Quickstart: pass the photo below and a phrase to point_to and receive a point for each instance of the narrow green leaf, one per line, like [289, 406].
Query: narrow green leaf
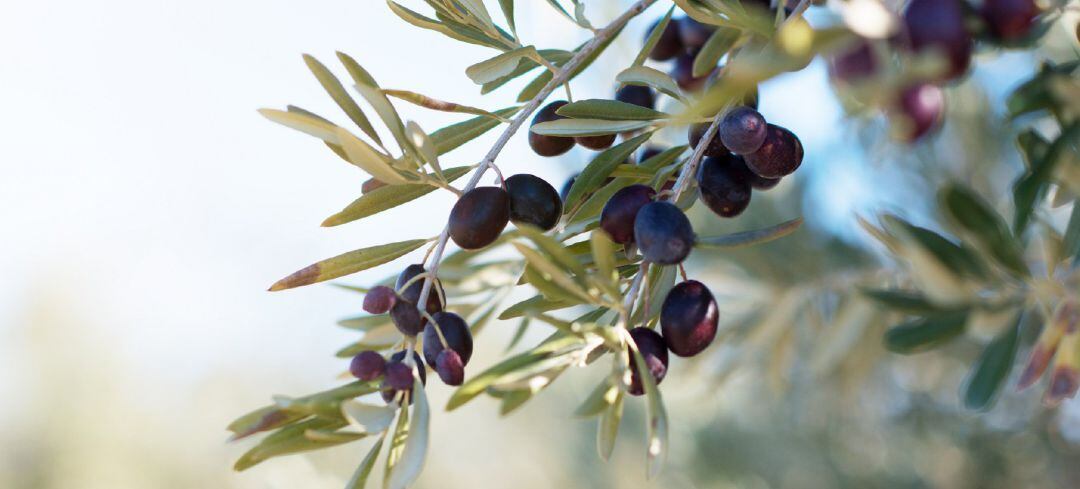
[542, 80]
[263, 419]
[657, 428]
[587, 127]
[992, 369]
[601, 397]
[551, 272]
[653, 39]
[720, 42]
[986, 226]
[1072, 234]
[412, 459]
[593, 176]
[303, 122]
[365, 323]
[553, 249]
[337, 92]
[532, 305]
[289, 440]
[960, 259]
[502, 65]
[367, 158]
[439, 105]
[756, 236]
[612, 110]
[608, 428]
[388, 197]
[902, 301]
[507, 7]
[926, 333]
[428, 23]
[1031, 188]
[454, 135]
[603, 251]
[476, 385]
[363, 471]
[348, 263]
[651, 77]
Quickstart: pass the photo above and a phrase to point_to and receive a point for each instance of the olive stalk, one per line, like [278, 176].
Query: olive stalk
[558, 79]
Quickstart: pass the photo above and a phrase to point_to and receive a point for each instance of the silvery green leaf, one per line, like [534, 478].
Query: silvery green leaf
[653, 39]
[598, 170]
[367, 158]
[651, 77]
[552, 273]
[363, 471]
[423, 22]
[602, 396]
[289, 440]
[554, 346]
[586, 127]
[542, 80]
[608, 427]
[720, 42]
[926, 333]
[901, 300]
[985, 226]
[454, 135]
[376, 339]
[657, 429]
[993, 367]
[388, 197]
[303, 122]
[408, 467]
[612, 110]
[533, 304]
[263, 419]
[348, 263]
[337, 91]
[501, 65]
[747, 238]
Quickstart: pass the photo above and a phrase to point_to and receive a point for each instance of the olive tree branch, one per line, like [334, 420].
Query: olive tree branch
[559, 78]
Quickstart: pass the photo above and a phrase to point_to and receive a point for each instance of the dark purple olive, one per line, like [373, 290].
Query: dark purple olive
[388, 391]
[683, 74]
[938, 25]
[617, 217]
[596, 142]
[533, 201]
[399, 376]
[715, 149]
[457, 334]
[407, 318]
[371, 184]
[693, 34]
[639, 95]
[1009, 20]
[780, 154]
[688, 318]
[654, 351]
[379, 299]
[742, 130]
[855, 63]
[450, 368]
[412, 294]
[549, 145]
[479, 217]
[663, 233]
[921, 107]
[724, 184]
[367, 365]
[669, 45]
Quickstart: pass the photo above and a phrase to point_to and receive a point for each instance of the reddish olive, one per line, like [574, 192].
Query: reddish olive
[450, 367]
[780, 154]
[457, 334]
[655, 353]
[742, 130]
[939, 25]
[367, 365]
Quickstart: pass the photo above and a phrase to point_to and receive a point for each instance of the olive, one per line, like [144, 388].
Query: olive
[457, 335]
[725, 188]
[688, 318]
[654, 351]
[533, 201]
[479, 217]
[780, 154]
[663, 233]
[617, 217]
[549, 145]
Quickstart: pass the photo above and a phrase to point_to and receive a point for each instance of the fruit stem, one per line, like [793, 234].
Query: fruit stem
[798, 11]
[559, 78]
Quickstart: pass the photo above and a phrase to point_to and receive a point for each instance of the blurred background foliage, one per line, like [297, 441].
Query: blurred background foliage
[797, 392]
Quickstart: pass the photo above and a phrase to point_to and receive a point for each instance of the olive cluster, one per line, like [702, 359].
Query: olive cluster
[447, 345]
[948, 28]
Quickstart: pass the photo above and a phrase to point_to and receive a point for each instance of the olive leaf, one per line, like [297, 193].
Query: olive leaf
[600, 168]
[587, 127]
[304, 122]
[449, 29]
[380, 338]
[556, 57]
[601, 398]
[348, 263]
[368, 418]
[656, 414]
[542, 80]
[289, 440]
[650, 77]
[1042, 160]
[557, 345]
[612, 110]
[720, 42]
[454, 135]
[439, 105]
[989, 374]
[535, 304]
[985, 226]
[756, 236]
[341, 97]
[608, 427]
[550, 272]
[367, 158]
[408, 467]
[363, 471]
[263, 419]
[926, 332]
[502, 65]
[902, 301]
[654, 38]
[388, 197]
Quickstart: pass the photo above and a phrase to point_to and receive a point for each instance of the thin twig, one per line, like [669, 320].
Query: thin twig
[557, 80]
